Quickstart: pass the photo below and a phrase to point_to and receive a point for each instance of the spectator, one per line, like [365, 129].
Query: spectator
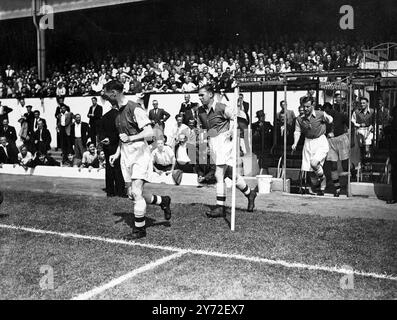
[101, 160]
[289, 128]
[42, 159]
[4, 111]
[262, 139]
[37, 118]
[24, 157]
[189, 86]
[64, 124]
[61, 90]
[177, 130]
[8, 152]
[181, 154]
[72, 161]
[158, 116]
[90, 157]
[57, 112]
[42, 138]
[80, 133]
[163, 158]
[382, 118]
[364, 120]
[188, 109]
[95, 115]
[8, 131]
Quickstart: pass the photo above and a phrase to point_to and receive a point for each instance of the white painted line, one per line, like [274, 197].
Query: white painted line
[283, 263]
[115, 282]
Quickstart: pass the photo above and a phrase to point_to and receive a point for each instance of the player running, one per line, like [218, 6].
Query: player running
[217, 119]
[134, 127]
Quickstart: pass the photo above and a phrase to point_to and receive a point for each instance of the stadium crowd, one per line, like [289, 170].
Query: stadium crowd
[178, 70]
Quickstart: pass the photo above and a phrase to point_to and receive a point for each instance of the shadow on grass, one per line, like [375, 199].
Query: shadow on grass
[128, 219]
[4, 215]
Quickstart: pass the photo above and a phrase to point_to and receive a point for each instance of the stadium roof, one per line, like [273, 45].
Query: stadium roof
[11, 9]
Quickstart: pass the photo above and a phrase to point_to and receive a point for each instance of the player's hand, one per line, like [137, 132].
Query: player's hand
[106, 141]
[112, 159]
[293, 147]
[124, 138]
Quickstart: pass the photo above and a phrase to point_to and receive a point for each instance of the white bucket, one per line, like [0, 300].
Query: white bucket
[264, 183]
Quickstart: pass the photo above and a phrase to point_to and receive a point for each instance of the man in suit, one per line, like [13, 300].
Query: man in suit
[158, 116]
[8, 152]
[4, 111]
[64, 124]
[80, 132]
[95, 115]
[42, 138]
[8, 132]
[36, 119]
[57, 112]
[262, 138]
[188, 110]
[29, 118]
[109, 137]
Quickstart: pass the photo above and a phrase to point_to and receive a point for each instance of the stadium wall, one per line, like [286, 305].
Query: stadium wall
[170, 102]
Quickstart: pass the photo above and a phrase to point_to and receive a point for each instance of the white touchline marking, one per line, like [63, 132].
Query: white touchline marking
[283, 263]
[115, 282]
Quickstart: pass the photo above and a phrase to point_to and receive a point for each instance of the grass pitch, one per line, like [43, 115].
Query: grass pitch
[79, 265]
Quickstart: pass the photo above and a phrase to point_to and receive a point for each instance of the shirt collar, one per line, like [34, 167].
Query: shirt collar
[366, 110]
[210, 106]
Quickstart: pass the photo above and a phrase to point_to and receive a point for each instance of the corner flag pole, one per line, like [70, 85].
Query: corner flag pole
[234, 177]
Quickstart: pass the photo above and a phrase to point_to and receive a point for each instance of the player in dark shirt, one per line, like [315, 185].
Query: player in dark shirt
[339, 143]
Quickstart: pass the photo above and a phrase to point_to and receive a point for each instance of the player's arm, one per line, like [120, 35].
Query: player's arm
[328, 118]
[354, 120]
[231, 115]
[297, 134]
[143, 123]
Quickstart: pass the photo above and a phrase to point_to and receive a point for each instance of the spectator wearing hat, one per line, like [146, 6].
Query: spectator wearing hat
[262, 138]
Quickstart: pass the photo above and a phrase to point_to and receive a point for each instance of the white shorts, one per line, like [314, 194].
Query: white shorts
[221, 149]
[136, 161]
[314, 149]
[365, 136]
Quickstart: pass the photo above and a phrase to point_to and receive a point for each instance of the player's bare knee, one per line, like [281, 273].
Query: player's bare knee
[314, 164]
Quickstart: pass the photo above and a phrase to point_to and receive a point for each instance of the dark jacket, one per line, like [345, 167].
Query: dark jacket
[160, 115]
[45, 136]
[85, 132]
[108, 129]
[48, 161]
[97, 115]
[6, 111]
[12, 152]
[189, 111]
[10, 133]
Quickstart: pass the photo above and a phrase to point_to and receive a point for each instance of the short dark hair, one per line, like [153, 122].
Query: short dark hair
[114, 85]
[208, 88]
[364, 98]
[281, 102]
[307, 99]
[178, 116]
[94, 98]
[36, 111]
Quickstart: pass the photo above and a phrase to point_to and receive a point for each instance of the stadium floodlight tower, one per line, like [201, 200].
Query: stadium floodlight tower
[37, 5]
